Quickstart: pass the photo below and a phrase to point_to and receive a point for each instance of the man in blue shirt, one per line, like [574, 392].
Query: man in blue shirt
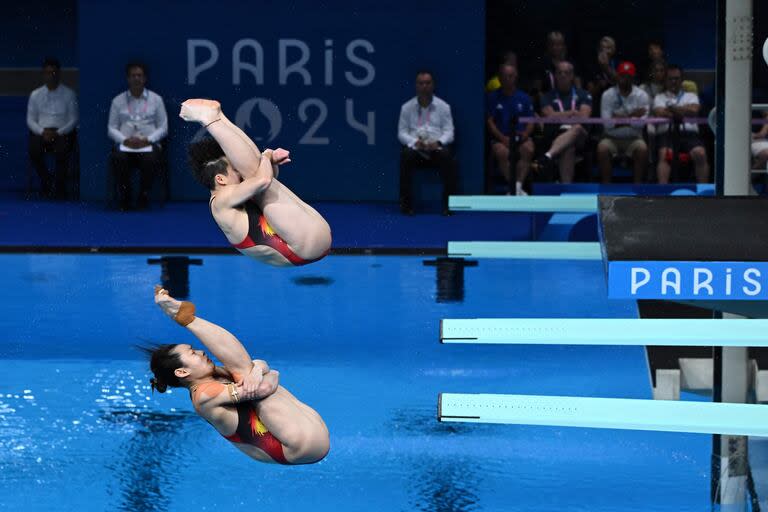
[504, 107]
[564, 101]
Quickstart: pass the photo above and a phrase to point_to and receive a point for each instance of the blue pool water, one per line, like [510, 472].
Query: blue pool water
[355, 337]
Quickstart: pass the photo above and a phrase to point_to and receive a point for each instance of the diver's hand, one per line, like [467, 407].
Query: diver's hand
[259, 383]
[280, 156]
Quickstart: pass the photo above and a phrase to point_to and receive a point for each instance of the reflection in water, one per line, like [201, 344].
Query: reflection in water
[732, 483]
[312, 281]
[37, 277]
[417, 421]
[440, 482]
[450, 278]
[174, 273]
[445, 485]
[151, 457]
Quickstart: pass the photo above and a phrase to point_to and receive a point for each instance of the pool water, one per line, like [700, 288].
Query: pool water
[356, 338]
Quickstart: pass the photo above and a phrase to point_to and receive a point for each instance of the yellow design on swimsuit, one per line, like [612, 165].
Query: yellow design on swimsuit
[265, 227]
[250, 430]
[257, 427]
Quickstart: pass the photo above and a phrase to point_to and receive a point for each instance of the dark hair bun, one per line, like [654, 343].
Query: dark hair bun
[204, 152]
[158, 385]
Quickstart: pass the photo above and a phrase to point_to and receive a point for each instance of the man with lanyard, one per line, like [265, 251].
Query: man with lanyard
[503, 107]
[137, 123]
[425, 130]
[565, 101]
[675, 104]
[623, 100]
[51, 119]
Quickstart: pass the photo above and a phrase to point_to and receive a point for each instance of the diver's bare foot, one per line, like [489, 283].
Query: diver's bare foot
[168, 304]
[200, 110]
[182, 312]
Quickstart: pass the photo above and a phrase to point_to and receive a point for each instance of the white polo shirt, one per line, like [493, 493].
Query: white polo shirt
[132, 117]
[52, 109]
[614, 104]
[667, 99]
[433, 123]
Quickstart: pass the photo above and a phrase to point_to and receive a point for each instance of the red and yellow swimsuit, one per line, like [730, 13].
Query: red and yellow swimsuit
[261, 233]
[250, 430]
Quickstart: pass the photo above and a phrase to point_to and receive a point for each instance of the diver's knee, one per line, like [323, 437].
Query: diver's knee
[316, 447]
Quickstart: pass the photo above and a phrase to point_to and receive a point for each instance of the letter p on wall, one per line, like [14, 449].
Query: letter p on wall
[636, 284]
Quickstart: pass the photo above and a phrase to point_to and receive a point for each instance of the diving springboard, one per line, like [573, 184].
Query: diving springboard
[614, 413]
[606, 331]
[578, 203]
[527, 250]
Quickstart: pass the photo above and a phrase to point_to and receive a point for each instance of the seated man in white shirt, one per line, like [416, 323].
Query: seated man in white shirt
[51, 119]
[137, 123]
[425, 130]
[623, 100]
[675, 104]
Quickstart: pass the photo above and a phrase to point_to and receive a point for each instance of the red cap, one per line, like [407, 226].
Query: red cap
[625, 68]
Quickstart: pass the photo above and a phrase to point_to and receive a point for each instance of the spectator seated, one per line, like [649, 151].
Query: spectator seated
[160, 189]
[624, 100]
[425, 130]
[138, 123]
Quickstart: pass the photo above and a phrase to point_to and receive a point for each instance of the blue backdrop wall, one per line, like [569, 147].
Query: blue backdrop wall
[690, 32]
[30, 31]
[322, 79]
